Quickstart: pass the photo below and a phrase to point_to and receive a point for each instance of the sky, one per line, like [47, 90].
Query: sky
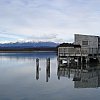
[48, 20]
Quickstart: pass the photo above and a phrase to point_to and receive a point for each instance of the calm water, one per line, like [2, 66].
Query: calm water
[20, 79]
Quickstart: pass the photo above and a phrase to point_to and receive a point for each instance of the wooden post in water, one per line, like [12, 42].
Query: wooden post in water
[37, 62]
[37, 68]
[47, 69]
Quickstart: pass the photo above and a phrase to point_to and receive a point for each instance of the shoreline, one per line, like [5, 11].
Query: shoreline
[25, 51]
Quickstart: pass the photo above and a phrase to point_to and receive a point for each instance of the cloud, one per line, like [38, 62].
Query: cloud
[52, 20]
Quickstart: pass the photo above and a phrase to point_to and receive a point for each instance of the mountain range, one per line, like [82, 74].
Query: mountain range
[29, 45]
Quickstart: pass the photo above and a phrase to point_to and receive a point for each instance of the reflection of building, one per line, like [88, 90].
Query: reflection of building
[88, 80]
[83, 76]
[63, 72]
[69, 71]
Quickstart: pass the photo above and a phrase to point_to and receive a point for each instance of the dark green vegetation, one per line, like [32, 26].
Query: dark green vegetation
[29, 49]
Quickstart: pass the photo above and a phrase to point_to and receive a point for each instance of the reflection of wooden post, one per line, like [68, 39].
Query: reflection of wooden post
[37, 68]
[46, 75]
[48, 69]
[68, 72]
[68, 61]
[77, 61]
[48, 62]
[58, 72]
[87, 59]
[81, 67]
[48, 65]
[81, 59]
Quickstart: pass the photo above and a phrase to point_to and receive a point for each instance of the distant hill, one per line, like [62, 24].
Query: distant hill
[28, 46]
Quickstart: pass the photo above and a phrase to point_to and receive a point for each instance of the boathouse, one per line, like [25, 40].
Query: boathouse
[89, 43]
[69, 53]
[69, 49]
[85, 47]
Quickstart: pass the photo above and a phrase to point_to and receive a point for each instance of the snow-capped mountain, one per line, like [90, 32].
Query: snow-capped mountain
[28, 45]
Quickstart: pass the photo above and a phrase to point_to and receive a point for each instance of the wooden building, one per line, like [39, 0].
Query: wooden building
[84, 47]
[68, 49]
[89, 43]
[70, 53]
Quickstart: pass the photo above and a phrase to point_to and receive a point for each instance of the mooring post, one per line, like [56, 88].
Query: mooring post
[37, 62]
[37, 68]
[47, 69]
[48, 63]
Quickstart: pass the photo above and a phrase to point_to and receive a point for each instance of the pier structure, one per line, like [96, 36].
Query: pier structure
[84, 49]
[71, 54]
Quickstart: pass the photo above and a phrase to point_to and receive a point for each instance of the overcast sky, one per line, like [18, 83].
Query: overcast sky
[48, 20]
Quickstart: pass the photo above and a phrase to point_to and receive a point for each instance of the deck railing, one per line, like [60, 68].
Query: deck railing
[81, 51]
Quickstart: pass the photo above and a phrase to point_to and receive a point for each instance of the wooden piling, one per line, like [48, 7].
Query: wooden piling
[37, 68]
[47, 69]
[37, 62]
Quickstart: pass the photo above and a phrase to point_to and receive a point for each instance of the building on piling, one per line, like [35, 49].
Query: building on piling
[84, 46]
[68, 49]
[68, 52]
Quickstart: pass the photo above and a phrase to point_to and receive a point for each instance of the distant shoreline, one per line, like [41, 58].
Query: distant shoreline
[24, 51]
[27, 50]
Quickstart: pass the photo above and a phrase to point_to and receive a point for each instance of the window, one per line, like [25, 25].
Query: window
[84, 42]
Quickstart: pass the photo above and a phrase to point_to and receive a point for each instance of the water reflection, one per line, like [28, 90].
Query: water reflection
[28, 55]
[41, 77]
[84, 76]
[47, 69]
